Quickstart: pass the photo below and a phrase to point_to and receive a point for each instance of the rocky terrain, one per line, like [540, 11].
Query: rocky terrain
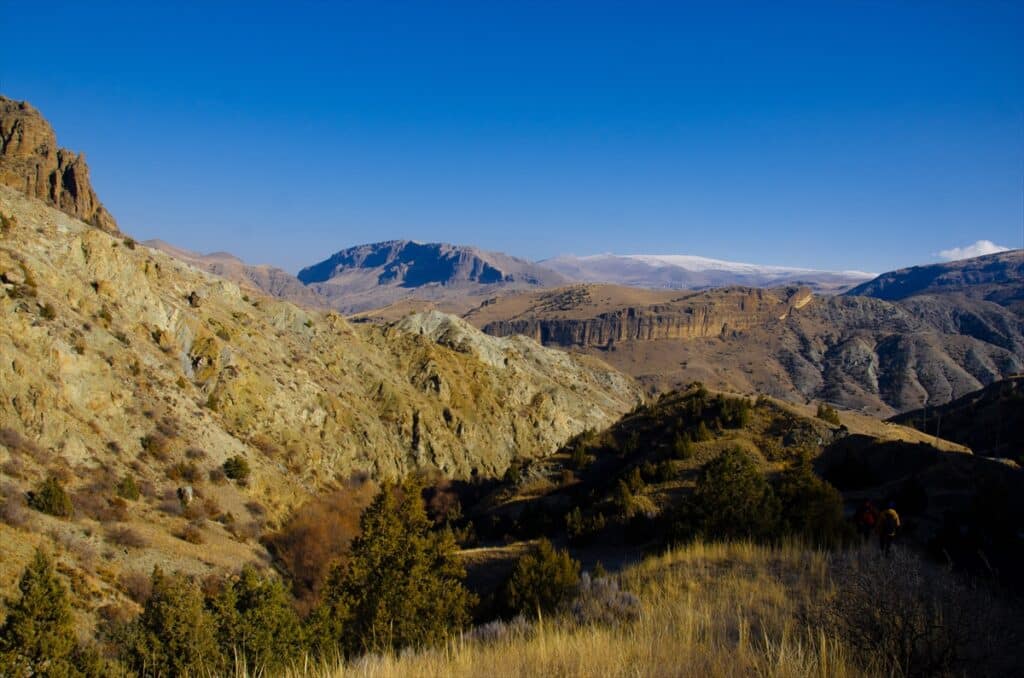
[998, 278]
[868, 354]
[371, 276]
[696, 273]
[31, 162]
[119, 360]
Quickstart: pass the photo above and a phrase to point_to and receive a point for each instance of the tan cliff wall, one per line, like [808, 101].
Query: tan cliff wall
[31, 162]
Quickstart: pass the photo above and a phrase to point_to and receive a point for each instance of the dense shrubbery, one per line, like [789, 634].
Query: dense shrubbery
[828, 413]
[51, 498]
[542, 581]
[237, 468]
[401, 586]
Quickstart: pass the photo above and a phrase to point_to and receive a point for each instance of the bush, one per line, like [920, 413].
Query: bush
[682, 448]
[256, 621]
[38, 635]
[317, 536]
[542, 581]
[811, 508]
[175, 632]
[51, 498]
[580, 528]
[126, 536]
[599, 600]
[895, 610]
[732, 500]
[13, 508]
[236, 468]
[402, 586]
[157, 445]
[128, 489]
[193, 532]
[828, 413]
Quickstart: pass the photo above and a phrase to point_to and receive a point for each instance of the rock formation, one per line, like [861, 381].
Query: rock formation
[31, 162]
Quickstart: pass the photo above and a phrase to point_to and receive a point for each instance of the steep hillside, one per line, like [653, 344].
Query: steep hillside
[31, 162]
[857, 352]
[371, 276]
[989, 421]
[120, 361]
[695, 273]
[998, 278]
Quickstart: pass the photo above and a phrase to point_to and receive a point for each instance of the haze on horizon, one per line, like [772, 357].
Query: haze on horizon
[856, 135]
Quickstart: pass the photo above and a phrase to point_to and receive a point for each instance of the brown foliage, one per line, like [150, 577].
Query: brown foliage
[317, 536]
[126, 536]
[137, 585]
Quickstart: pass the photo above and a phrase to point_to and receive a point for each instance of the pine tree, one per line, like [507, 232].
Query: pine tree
[255, 621]
[733, 499]
[174, 635]
[542, 580]
[38, 636]
[402, 585]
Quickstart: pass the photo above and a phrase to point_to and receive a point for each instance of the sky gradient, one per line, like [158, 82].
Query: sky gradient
[853, 135]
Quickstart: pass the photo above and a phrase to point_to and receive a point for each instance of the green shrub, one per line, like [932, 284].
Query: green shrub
[256, 621]
[402, 585]
[682, 448]
[581, 528]
[38, 636]
[828, 413]
[51, 498]
[174, 635]
[732, 500]
[542, 581]
[810, 507]
[47, 311]
[128, 489]
[236, 468]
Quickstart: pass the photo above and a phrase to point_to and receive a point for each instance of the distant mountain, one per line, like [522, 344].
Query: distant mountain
[265, 278]
[998, 278]
[378, 274]
[673, 271]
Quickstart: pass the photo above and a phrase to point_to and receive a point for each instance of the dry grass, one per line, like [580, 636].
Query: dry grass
[706, 610]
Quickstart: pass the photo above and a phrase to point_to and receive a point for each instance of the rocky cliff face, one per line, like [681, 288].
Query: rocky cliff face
[689, 317]
[31, 162]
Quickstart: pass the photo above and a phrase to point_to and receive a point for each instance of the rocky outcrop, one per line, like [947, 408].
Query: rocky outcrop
[31, 162]
[690, 317]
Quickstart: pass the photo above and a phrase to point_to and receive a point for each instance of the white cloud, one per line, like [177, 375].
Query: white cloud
[980, 248]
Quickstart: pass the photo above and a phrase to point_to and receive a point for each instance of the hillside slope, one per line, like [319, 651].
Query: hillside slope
[119, 360]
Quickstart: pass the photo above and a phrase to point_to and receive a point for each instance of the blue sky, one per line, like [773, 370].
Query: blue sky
[866, 135]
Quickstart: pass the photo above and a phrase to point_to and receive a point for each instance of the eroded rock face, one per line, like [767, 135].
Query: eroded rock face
[31, 162]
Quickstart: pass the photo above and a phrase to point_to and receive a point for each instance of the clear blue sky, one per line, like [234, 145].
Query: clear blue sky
[827, 134]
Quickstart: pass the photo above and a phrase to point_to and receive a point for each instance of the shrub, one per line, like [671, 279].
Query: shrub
[47, 311]
[810, 507]
[256, 621]
[157, 445]
[828, 413]
[542, 580]
[13, 508]
[129, 243]
[682, 448]
[126, 536]
[128, 489]
[6, 222]
[317, 536]
[402, 585]
[187, 471]
[175, 632]
[634, 480]
[236, 468]
[895, 610]
[136, 585]
[38, 635]
[599, 600]
[580, 528]
[217, 477]
[51, 498]
[732, 499]
[193, 532]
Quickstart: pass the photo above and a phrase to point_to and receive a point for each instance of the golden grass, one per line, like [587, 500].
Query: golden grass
[707, 610]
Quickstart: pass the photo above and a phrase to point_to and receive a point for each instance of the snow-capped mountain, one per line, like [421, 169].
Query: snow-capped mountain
[692, 272]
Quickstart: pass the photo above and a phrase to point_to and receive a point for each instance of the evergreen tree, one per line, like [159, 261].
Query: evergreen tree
[174, 635]
[542, 580]
[402, 585]
[810, 507]
[733, 500]
[38, 636]
[255, 621]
